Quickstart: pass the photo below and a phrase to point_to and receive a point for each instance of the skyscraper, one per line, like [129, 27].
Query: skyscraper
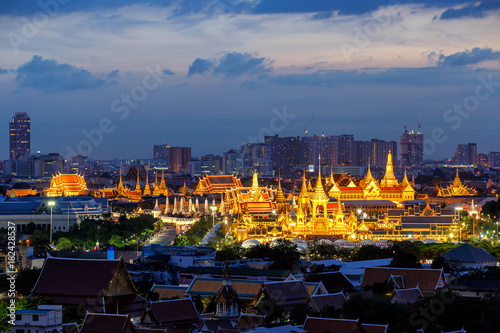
[178, 158]
[160, 151]
[411, 149]
[465, 154]
[19, 136]
[346, 149]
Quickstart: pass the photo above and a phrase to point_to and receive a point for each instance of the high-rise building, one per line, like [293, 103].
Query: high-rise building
[160, 151]
[494, 159]
[230, 162]
[481, 160]
[411, 149]
[178, 158]
[465, 154]
[211, 164]
[346, 149]
[285, 152]
[314, 146]
[19, 136]
[374, 152]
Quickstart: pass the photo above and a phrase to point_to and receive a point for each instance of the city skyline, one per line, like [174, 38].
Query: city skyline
[162, 70]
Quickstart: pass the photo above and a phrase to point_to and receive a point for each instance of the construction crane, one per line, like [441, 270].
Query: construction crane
[419, 124]
[305, 128]
[411, 120]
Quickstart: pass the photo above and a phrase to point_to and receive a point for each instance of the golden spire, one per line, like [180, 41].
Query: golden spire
[369, 176]
[405, 181]
[147, 191]
[457, 182]
[389, 178]
[319, 191]
[163, 186]
[120, 184]
[138, 184]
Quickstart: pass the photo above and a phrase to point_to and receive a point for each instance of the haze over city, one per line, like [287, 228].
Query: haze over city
[222, 67]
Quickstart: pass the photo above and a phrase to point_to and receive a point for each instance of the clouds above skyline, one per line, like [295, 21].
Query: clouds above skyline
[48, 75]
[231, 65]
[222, 66]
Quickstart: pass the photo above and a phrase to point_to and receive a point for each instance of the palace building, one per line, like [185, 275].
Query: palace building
[66, 185]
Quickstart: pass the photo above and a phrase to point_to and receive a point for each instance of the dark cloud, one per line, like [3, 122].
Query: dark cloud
[236, 64]
[422, 77]
[472, 57]
[200, 66]
[473, 10]
[113, 74]
[49, 75]
[323, 8]
[168, 72]
[231, 65]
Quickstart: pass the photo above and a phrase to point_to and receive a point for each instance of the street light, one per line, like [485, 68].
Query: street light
[51, 204]
[458, 211]
[213, 208]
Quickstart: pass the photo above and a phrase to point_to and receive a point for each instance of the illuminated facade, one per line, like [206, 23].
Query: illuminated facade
[66, 185]
[455, 189]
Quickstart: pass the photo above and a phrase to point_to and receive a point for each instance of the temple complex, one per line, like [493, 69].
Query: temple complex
[66, 185]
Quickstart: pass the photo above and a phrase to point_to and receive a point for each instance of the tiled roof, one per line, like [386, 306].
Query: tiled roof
[246, 289]
[373, 328]
[426, 279]
[131, 304]
[250, 320]
[320, 325]
[287, 293]
[332, 281]
[68, 281]
[165, 291]
[406, 295]
[105, 323]
[173, 312]
[466, 253]
[333, 300]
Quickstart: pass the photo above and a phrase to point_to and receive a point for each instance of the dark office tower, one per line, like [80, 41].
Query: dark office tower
[160, 151]
[465, 154]
[19, 135]
[314, 146]
[346, 149]
[380, 151]
[411, 149]
[230, 162]
[178, 158]
[285, 152]
[363, 153]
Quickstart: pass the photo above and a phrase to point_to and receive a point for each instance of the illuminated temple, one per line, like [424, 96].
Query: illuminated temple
[455, 189]
[66, 185]
[319, 211]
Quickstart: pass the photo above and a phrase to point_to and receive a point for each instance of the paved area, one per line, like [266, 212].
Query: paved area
[165, 237]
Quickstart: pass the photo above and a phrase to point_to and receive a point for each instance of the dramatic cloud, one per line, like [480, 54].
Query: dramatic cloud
[231, 65]
[200, 66]
[474, 10]
[168, 72]
[472, 57]
[48, 75]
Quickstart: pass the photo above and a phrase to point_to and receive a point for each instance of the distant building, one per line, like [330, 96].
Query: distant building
[411, 149]
[465, 154]
[481, 160]
[346, 149]
[494, 159]
[211, 164]
[375, 152]
[230, 162]
[160, 151]
[67, 185]
[19, 135]
[285, 152]
[178, 159]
